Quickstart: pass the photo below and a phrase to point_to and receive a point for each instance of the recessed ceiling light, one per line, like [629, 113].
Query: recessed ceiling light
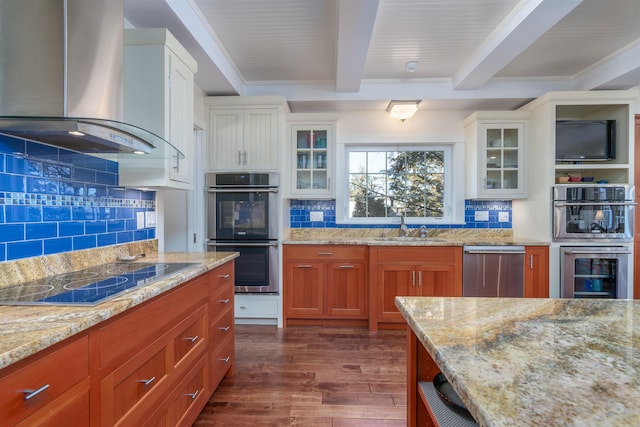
[411, 66]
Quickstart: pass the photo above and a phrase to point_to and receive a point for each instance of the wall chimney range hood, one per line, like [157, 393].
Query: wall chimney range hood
[61, 77]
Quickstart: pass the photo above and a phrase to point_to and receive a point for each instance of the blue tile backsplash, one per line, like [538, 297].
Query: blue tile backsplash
[54, 200]
[300, 210]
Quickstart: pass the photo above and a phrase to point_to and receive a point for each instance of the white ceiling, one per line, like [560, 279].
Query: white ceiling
[336, 55]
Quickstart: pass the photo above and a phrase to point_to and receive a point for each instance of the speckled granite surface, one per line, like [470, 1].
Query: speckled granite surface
[390, 237]
[25, 330]
[535, 362]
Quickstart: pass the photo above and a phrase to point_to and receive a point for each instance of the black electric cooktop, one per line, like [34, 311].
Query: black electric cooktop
[89, 286]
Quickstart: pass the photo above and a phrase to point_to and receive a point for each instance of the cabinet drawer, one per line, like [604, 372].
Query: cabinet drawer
[191, 397]
[148, 322]
[221, 329]
[324, 252]
[70, 409]
[191, 336]
[421, 255]
[221, 302]
[221, 276]
[221, 359]
[53, 374]
[255, 306]
[136, 381]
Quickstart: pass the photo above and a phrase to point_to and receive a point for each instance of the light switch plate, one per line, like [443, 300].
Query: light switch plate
[139, 220]
[150, 219]
[481, 216]
[503, 216]
[316, 216]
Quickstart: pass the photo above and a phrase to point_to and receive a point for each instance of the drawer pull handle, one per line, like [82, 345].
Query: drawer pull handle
[192, 339]
[346, 266]
[243, 307]
[30, 393]
[226, 359]
[147, 382]
[224, 301]
[304, 266]
[193, 395]
[325, 253]
[225, 328]
[224, 276]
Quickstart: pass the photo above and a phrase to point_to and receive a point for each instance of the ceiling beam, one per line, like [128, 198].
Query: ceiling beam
[355, 26]
[604, 73]
[528, 21]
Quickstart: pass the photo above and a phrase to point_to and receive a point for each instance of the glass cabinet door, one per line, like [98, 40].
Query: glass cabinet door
[502, 154]
[311, 160]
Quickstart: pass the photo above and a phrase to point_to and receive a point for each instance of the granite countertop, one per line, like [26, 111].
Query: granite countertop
[535, 362]
[390, 237]
[25, 330]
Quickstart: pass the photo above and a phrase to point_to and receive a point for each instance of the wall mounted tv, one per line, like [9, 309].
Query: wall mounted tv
[585, 140]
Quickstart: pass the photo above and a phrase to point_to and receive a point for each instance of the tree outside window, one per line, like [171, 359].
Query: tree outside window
[388, 183]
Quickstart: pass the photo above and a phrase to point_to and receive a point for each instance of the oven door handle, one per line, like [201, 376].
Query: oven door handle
[604, 253]
[242, 190]
[242, 243]
[601, 202]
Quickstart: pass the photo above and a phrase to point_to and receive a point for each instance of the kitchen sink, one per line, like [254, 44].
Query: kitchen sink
[410, 239]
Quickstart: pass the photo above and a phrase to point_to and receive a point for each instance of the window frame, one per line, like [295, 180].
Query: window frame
[342, 193]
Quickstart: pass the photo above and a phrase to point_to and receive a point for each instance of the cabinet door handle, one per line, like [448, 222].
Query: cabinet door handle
[419, 278]
[239, 157]
[225, 328]
[413, 278]
[224, 276]
[325, 253]
[147, 382]
[346, 266]
[193, 395]
[192, 339]
[224, 301]
[226, 359]
[177, 166]
[530, 262]
[31, 393]
[245, 158]
[304, 266]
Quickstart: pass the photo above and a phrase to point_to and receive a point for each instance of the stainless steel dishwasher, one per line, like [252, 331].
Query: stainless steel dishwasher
[493, 271]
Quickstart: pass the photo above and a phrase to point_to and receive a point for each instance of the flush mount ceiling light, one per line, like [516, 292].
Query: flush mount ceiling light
[411, 66]
[403, 110]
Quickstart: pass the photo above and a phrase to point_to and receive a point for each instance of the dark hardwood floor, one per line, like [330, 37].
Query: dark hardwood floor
[312, 376]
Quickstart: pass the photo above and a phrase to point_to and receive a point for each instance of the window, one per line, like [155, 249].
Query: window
[385, 183]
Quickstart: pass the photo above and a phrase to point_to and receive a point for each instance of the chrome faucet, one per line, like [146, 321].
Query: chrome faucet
[404, 230]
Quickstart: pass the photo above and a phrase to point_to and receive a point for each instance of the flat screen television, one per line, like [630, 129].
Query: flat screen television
[585, 140]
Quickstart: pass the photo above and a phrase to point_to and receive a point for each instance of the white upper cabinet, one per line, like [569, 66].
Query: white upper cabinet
[312, 160]
[158, 77]
[495, 155]
[245, 133]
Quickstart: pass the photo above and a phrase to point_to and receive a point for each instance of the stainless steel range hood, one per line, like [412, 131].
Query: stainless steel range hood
[61, 76]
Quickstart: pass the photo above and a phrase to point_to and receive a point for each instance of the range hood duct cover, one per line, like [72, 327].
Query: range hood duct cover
[61, 70]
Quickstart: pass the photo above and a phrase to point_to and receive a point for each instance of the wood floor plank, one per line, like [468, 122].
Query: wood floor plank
[312, 376]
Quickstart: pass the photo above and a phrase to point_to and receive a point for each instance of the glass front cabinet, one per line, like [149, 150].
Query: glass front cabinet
[312, 161]
[495, 151]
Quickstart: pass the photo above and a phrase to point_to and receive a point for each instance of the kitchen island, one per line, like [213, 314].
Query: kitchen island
[527, 362]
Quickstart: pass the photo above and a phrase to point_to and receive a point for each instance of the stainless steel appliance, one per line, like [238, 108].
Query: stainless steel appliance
[597, 212]
[243, 217]
[493, 271]
[89, 286]
[594, 272]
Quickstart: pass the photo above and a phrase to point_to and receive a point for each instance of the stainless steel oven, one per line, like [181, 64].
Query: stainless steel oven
[242, 217]
[594, 272]
[595, 212]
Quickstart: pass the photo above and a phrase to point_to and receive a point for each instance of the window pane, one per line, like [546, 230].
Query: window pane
[389, 183]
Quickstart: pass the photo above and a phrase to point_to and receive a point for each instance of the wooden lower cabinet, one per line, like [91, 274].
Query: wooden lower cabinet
[324, 284]
[410, 271]
[156, 364]
[536, 272]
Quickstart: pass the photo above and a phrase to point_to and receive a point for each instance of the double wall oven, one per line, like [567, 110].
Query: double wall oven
[242, 217]
[594, 224]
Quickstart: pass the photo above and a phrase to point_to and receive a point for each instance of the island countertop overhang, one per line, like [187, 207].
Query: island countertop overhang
[535, 361]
